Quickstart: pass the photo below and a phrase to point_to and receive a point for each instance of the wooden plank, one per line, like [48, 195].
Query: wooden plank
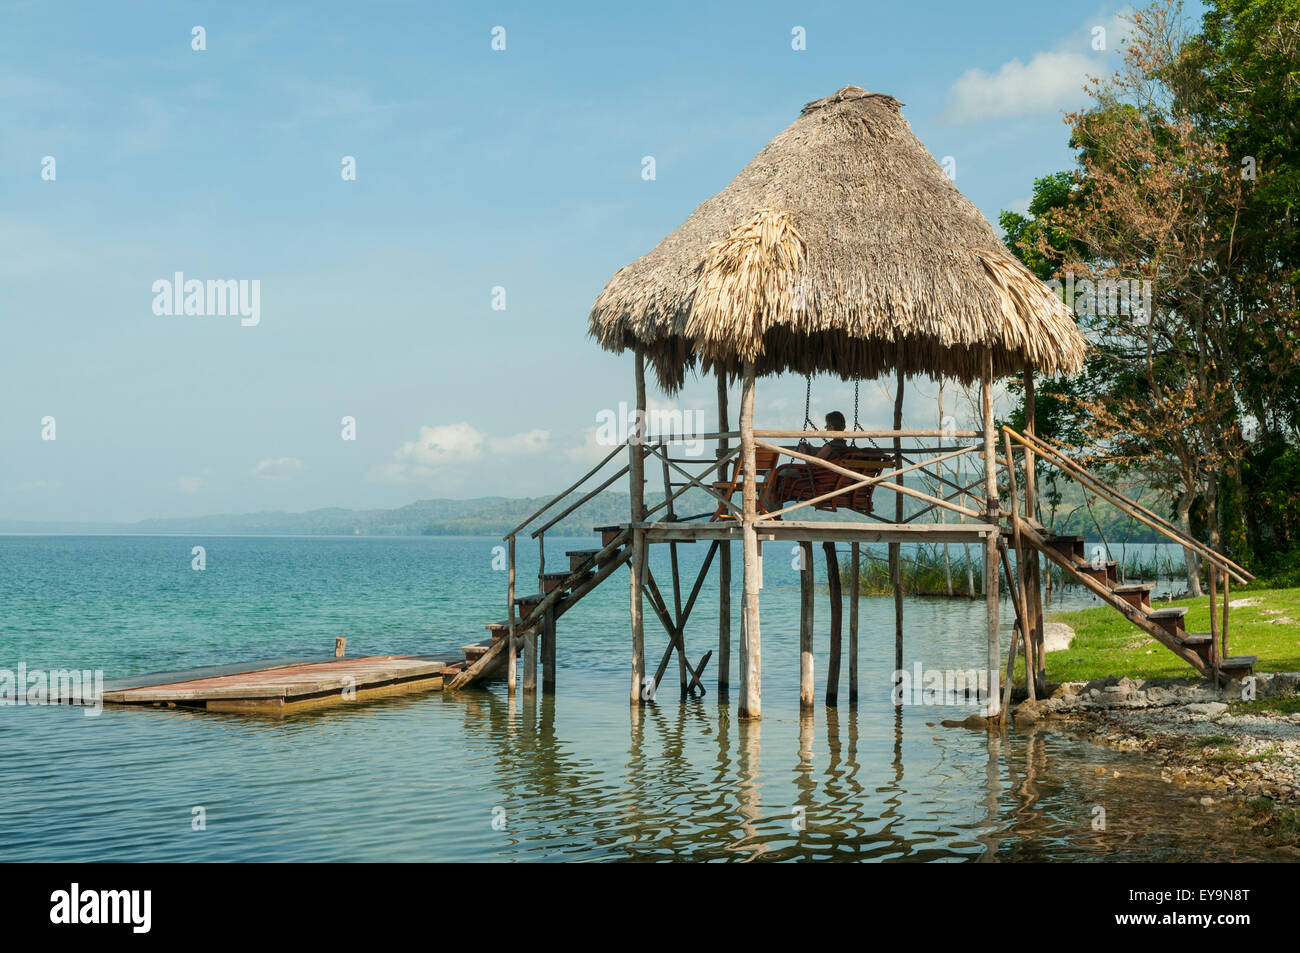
[284, 682]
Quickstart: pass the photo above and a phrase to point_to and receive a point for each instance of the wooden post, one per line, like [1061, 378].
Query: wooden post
[636, 488]
[530, 661]
[512, 665]
[1033, 574]
[807, 688]
[991, 541]
[1016, 584]
[1213, 572]
[895, 549]
[340, 646]
[1223, 629]
[943, 514]
[548, 652]
[854, 596]
[751, 704]
[837, 616]
[724, 561]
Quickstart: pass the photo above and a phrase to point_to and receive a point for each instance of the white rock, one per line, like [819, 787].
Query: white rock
[1056, 636]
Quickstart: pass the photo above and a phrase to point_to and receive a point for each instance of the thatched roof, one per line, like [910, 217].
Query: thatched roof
[842, 247]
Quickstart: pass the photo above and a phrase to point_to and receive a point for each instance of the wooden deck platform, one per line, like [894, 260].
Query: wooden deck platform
[278, 686]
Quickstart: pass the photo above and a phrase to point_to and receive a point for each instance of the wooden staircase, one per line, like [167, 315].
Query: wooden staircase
[537, 612]
[1133, 600]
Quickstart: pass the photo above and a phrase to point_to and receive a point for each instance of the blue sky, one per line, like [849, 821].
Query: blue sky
[475, 169]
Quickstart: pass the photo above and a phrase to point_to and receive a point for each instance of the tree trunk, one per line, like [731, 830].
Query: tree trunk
[1192, 562]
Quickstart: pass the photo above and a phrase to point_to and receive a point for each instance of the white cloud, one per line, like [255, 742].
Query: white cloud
[534, 441]
[280, 468]
[446, 445]
[436, 446]
[591, 451]
[1051, 81]
[190, 484]
[1048, 82]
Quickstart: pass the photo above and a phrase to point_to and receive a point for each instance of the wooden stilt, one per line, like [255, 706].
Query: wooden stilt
[1016, 582]
[724, 562]
[895, 549]
[636, 487]
[1022, 627]
[991, 541]
[1031, 569]
[530, 661]
[807, 687]
[751, 705]
[548, 652]
[1213, 572]
[837, 616]
[855, 594]
[1223, 631]
[513, 647]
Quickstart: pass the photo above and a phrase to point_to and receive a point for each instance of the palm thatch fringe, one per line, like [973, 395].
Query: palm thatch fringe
[842, 248]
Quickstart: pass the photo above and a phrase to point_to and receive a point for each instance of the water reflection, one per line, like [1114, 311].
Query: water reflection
[836, 784]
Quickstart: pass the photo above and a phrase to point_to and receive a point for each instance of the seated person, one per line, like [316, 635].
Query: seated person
[790, 477]
[836, 446]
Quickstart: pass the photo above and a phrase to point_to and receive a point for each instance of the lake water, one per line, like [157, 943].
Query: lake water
[477, 776]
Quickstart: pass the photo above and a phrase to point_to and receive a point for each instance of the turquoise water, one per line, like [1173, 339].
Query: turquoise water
[477, 776]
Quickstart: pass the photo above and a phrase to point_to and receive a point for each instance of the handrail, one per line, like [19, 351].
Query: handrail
[868, 434]
[1133, 508]
[873, 480]
[577, 483]
[573, 506]
[844, 471]
[722, 461]
[694, 481]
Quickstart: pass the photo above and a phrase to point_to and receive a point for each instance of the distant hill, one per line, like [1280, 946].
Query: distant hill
[497, 515]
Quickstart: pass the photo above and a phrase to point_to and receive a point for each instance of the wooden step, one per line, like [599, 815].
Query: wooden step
[1135, 593]
[554, 580]
[1201, 643]
[1106, 573]
[475, 650]
[608, 534]
[1072, 547]
[581, 557]
[1171, 619]
[526, 603]
[1239, 664]
[500, 630]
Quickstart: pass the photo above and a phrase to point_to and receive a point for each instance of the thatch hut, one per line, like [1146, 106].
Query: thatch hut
[842, 248]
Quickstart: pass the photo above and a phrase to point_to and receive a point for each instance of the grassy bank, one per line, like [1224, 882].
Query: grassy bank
[1105, 643]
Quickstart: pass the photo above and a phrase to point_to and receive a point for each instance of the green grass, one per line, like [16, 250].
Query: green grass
[1286, 705]
[1105, 643]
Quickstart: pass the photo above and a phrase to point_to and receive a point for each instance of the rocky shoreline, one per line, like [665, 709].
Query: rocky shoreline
[1233, 747]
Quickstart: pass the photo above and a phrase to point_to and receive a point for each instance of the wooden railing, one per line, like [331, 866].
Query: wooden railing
[1217, 564]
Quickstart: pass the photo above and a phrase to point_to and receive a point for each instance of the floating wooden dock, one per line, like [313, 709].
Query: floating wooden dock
[279, 686]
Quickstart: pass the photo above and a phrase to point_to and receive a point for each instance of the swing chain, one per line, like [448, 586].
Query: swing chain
[807, 406]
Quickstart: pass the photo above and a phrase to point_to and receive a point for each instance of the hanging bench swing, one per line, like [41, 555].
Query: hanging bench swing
[799, 482]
